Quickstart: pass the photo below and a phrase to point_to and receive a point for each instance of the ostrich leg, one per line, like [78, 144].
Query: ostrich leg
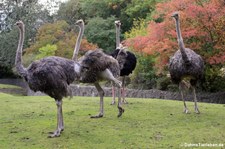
[107, 75]
[101, 94]
[60, 124]
[113, 95]
[181, 88]
[123, 90]
[195, 100]
[121, 110]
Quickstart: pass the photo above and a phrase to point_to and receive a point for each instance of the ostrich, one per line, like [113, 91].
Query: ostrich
[51, 75]
[185, 64]
[126, 59]
[96, 66]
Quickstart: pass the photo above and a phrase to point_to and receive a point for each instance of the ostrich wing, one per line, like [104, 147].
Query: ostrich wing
[52, 76]
[97, 61]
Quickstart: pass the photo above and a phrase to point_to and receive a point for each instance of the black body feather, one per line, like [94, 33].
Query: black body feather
[129, 62]
[51, 75]
[193, 69]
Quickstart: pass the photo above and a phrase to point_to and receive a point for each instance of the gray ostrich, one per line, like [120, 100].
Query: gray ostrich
[96, 66]
[51, 75]
[126, 59]
[185, 64]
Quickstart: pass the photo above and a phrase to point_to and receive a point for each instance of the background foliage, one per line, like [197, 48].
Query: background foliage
[202, 26]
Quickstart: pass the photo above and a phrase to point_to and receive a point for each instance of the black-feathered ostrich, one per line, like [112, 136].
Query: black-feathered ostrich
[51, 75]
[96, 66]
[126, 59]
[185, 64]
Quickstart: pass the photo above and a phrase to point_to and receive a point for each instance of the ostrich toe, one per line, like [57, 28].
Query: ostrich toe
[113, 102]
[186, 111]
[197, 110]
[54, 134]
[124, 101]
[100, 115]
[121, 111]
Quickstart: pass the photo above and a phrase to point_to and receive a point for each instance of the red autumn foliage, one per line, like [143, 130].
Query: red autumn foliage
[202, 26]
[60, 34]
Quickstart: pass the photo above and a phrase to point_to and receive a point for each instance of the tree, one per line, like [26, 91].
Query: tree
[47, 50]
[58, 34]
[7, 52]
[202, 24]
[32, 15]
[101, 32]
[100, 16]
[70, 11]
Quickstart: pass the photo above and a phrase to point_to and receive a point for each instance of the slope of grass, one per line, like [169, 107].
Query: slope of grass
[12, 89]
[146, 123]
[6, 86]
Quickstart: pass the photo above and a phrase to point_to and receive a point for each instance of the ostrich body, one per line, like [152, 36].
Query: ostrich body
[185, 64]
[51, 75]
[127, 61]
[96, 66]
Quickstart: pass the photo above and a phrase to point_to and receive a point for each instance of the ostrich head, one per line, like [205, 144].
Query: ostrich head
[20, 24]
[79, 22]
[118, 23]
[175, 15]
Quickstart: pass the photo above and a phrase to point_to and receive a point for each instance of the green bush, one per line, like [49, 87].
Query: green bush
[144, 75]
[163, 83]
[214, 79]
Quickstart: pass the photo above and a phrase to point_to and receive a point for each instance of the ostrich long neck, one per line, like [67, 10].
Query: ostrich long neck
[18, 60]
[180, 42]
[117, 36]
[78, 42]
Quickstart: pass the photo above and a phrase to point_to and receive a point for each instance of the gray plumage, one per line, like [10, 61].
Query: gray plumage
[51, 75]
[192, 68]
[95, 66]
[96, 61]
[185, 64]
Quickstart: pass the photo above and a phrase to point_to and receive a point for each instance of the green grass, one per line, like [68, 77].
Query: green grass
[146, 123]
[6, 86]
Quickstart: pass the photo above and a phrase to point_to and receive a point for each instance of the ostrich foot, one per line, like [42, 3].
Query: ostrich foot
[121, 111]
[113, 102]
[197, 110]
[97, 116]
[124, 101]
[186, 111]
[56, 133]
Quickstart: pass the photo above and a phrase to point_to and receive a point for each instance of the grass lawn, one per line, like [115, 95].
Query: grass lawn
[146, 123]
[6, 86]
